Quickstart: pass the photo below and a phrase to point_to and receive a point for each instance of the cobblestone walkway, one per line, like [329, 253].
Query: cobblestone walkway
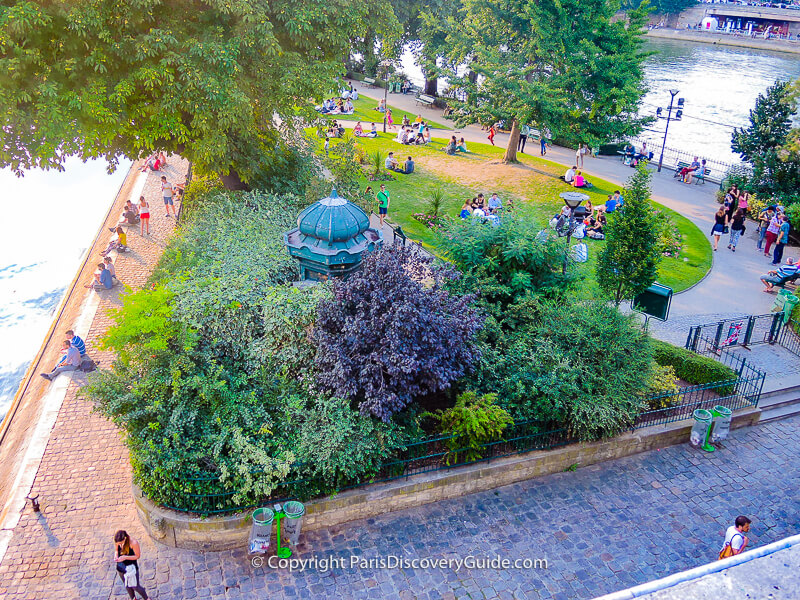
[602, 528]
[83, 481]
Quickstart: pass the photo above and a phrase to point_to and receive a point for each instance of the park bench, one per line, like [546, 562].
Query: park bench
[425, 99]
[370, 81]
[698, 177]
[791, 280]
[678, 167]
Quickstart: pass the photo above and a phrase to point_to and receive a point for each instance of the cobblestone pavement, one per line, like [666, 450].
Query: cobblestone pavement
[601, 528]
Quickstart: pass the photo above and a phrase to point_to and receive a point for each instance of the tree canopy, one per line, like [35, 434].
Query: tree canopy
[206, 78]
[568, 66]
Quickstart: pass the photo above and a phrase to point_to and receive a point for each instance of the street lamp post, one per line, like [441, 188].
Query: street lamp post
[673, 93]
[385, 64]
[577, 213]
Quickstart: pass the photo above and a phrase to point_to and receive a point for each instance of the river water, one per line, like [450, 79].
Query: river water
[719, 84]
[50, 218]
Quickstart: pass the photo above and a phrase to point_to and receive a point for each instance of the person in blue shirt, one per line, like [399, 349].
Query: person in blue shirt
[614, 202]
[783, 239]
[102, 278]
[76, 341]
[495, 204]
[408, 167]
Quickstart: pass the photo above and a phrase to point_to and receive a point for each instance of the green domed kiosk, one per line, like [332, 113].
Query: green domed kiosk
[330, 237]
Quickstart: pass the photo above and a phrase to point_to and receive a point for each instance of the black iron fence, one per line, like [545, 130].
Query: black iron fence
[746, 331]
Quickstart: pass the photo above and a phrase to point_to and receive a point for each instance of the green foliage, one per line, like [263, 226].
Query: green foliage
[776, 171]
[689, 366]
[474, 421]
[435, 201]
[205, 80]
[569, 66]
[628, 262]
[377, 162]
[567, 364]
[334, 444]
[507, 263]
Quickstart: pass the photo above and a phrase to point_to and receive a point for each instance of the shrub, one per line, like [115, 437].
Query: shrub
[391, 333]
[473, 421]
[689, 366]
[662, 387]
[577, 365]
[507, 263]
[435, 201]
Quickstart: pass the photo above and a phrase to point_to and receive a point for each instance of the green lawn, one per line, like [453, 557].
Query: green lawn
[532, 186]
[366, 113]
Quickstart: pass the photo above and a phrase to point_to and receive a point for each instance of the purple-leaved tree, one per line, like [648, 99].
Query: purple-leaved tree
[391, 333]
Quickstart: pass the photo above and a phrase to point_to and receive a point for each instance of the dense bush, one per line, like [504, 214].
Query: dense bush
[689, 366]
[508, 263]
[391, 333]
[580, 365]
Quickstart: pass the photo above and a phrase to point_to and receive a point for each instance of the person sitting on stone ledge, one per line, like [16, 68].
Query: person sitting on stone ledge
[70, 361]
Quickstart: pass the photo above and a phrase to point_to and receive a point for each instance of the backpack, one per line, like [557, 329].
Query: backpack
[87, 365]
[727, 549]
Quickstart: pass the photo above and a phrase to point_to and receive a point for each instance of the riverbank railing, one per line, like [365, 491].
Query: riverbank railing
[672, 156]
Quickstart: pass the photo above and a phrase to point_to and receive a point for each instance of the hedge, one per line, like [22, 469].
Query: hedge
[689, 366]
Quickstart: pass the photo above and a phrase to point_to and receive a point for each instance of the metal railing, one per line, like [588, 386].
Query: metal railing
[744, 331]
[672, 156]
[207, 494]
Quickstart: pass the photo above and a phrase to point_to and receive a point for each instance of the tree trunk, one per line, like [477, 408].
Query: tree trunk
[513, 141]
[233, 182]
[432, 86]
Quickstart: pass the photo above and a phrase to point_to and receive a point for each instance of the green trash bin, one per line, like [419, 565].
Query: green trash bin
[701, 429]
[261, 532]
[722, 423]
[788, 306]
[293, 522]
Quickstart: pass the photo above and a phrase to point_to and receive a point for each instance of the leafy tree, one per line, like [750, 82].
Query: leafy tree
[577, 365]
[628, 262]
[763, 144]
[392, 333]
[569, 66]
[508, 263]
[204, 78]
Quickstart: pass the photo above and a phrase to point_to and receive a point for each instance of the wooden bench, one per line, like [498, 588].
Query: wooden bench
[370, 81]
[698, 177]
[425, 99]
[678, 167]
[791, 280]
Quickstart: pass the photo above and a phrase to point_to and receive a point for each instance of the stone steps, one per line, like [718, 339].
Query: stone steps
[780, 404]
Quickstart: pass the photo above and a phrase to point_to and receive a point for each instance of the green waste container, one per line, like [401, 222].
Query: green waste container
[788, 306]
[722, 423]
[261, 532]
[699, 435]
[293, 522]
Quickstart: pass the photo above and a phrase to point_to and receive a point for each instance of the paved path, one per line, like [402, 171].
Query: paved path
[83, 481]
[732, 287]
[601, 528]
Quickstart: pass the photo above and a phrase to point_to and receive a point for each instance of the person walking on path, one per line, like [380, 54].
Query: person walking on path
[783, 239]
[542, 144]
[166, 193]
[720, 225]
[744, 201]
[579, 153]
[389, 119]
[492, 133]
[126, 556]
[144, 216]
[764, 217]
[735, 538]
[772, 232]
[737, 228]
[383, 203]
[70, 361]
[523, 137]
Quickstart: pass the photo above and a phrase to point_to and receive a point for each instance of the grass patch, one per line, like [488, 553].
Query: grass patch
[366, 113]
[533, 188]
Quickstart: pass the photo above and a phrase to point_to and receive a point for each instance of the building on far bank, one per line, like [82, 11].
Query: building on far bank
[740, 19]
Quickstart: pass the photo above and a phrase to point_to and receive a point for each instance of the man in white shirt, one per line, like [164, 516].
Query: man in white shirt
[570, 174]
[735, 535]
[391, 162]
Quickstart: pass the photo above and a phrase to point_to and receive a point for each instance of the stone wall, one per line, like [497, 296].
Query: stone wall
[224, 533]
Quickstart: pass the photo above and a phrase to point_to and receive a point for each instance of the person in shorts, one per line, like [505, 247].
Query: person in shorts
[167, 193]
[383, 203]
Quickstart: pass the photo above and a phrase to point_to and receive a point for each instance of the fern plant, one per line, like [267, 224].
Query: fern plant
[473, 422]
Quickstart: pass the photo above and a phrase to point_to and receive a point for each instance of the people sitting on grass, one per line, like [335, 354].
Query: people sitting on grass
[119, 241]
[589, 209]
[348, 108]
[780, 275]
[466, 210]
[614, 202]
[358, 131]
[594, 229]
[70, 361]
[481, 202]
[569, 176]
[381, 106]
[391, 163]
[406, 122]
[493, 216]
[451, 146]
[408, 167]
[462, 146]
[579, 181]
[427, 135]
[495, 204]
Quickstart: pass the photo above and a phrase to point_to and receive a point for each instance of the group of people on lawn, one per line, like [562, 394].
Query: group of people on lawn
[479, 208]
[343, 105]
[575, 178]
[392, 164]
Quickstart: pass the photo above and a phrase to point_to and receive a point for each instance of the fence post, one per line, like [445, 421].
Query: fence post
[688, 345]
[775, 327]
[748, 334]
[718, 337]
